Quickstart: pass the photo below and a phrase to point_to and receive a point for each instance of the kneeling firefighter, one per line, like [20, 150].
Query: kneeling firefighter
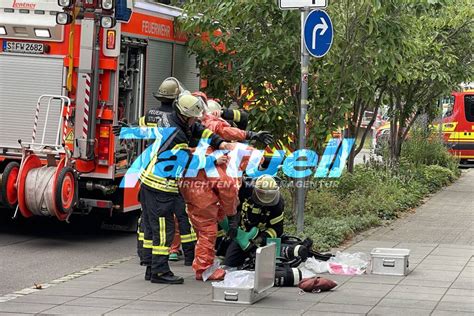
[261, 206]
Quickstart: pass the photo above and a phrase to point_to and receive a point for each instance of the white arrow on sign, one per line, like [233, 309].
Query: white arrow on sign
[323, 27]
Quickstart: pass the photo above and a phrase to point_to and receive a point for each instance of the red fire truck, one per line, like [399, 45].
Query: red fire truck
[458, 124]
[63, 87]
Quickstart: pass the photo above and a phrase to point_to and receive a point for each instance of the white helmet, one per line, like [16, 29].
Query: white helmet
[189, 106]
[213, 105]
[266, 190]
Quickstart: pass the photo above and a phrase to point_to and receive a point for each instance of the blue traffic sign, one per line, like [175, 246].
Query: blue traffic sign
[318, 33]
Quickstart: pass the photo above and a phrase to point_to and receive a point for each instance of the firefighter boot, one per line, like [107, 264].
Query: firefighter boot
[148, 273]
[166, 278]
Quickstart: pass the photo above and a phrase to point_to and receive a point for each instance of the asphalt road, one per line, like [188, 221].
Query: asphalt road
[41, 250]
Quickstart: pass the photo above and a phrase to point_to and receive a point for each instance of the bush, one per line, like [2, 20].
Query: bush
[425, 147]
[375, 192]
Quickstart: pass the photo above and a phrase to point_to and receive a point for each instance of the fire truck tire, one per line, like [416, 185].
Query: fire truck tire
[8, 190]
[65, 193]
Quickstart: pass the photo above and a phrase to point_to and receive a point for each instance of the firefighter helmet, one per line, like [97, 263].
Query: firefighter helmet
[213, 106]
[189, 106]
[266, 190]
[201, 95]
[169, 89]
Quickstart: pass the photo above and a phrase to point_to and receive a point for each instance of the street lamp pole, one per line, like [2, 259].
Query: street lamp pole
[300, 187]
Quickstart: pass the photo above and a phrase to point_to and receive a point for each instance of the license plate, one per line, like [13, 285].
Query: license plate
[23, 47]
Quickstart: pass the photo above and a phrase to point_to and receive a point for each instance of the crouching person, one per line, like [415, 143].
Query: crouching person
[261, 206]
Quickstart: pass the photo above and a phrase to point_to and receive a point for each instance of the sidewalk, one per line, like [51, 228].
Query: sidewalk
[440, 236]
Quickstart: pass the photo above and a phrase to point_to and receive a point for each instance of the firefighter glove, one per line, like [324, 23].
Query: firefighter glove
[264, 137]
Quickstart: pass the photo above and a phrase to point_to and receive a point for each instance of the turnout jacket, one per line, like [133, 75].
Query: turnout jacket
[185, 133]
[268, 219]
[238, 118]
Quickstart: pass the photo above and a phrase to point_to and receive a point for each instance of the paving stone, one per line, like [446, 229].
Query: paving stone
[98, 302]
[341, 308]
[365, 286]
[456, 306]
[463, 284]
[196, 309]
[154, 306]
[13, 307]
[440, 267]
[44, 299]
[461, 292]
[16, 314]
[457, 298]
[316, 313]
[377, 244]
[137, 284]
[451, 252]
[408, 303]
[450, 313]
[255, 311]
[334, 298]
[76, 310]
[411, 245]
[367, 292]
[87, 284]
[414, 296]
[389, 311]
[65, 291]
[296, 304]
[128, 312]
[433, 275]
[445, 260]
[117, 294]
[298, 295]
[419, 289]
[165, 296]
[425, 283]
[379, 279]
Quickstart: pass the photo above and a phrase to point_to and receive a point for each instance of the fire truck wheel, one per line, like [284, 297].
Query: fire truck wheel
[65, 193]
[8, 190]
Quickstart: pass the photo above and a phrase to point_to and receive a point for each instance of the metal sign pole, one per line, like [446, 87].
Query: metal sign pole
[300, 190]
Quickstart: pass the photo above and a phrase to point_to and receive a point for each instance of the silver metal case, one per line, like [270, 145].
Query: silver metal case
[264, 280]
[390, 261]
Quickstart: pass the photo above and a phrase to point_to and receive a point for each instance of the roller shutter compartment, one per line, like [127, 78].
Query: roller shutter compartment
[23, 79]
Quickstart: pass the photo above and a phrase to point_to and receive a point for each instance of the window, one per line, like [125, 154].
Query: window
[469, 107]
[448, 106]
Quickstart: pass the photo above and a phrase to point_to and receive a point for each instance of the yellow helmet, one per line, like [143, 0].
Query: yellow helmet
[169, 89]
[266, 190]
[189, 106]
[213, 106]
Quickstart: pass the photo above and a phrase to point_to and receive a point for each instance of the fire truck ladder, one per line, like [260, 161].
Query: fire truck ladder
[46, 187]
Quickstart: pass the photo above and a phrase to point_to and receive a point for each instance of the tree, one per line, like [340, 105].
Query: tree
[401, 53]
[441, 42]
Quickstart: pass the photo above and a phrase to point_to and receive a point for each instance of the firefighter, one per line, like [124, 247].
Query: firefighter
[261, 206]
[215, 197]
[167, 93]
[160, 195]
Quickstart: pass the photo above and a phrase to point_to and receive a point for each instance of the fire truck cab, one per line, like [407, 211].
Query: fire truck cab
[458, 124]
[63, 87]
